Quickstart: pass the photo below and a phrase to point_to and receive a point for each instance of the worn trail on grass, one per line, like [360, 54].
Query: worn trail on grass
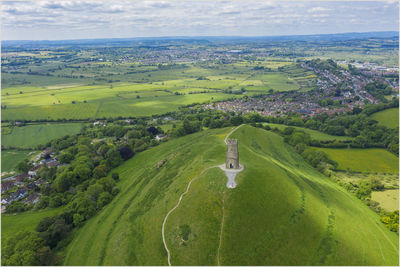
[184, 193]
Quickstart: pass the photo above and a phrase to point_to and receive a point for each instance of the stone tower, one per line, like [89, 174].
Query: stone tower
[232, 154]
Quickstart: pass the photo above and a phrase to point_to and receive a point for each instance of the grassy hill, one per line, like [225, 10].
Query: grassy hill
[388, 117]
[282, 212]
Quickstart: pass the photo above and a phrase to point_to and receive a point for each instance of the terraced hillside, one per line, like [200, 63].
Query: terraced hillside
[282, 211]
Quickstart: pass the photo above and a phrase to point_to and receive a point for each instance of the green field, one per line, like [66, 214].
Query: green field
[146, 91]
[388, 117]
[32, 135]
[364, 160]
[27, 221]
[283, 212]
[10, 158]
[317, 135]
[388, 199]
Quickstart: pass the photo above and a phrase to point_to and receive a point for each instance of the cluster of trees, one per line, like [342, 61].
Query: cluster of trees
[302, 141]
[364, 188]
[358, 124]
[25, 248]
[378, 89]
[82, 186]
[391, 220]
[328, 64]
[37, 248]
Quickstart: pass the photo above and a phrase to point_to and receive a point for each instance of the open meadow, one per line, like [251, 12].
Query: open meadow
[27, 221]
[388, 117]
[32, 135]
[387, 199]
[10, 158]
[139, 90]
[364, 160]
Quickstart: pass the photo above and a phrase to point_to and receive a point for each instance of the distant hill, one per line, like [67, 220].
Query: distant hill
[282, 212]
[181, 40]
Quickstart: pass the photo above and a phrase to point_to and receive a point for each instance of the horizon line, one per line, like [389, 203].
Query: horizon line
[194, 36]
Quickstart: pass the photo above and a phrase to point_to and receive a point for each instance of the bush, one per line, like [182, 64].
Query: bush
[115, 176]
[104, 199]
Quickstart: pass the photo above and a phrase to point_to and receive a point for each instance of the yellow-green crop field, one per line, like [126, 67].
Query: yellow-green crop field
[364, 160]
[145, 92]
[388, 199]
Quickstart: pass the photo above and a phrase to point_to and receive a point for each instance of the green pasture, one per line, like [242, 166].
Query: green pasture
[35, 134]
[283, 212]
[26, 221]
[317, 135]
[10, 158]
[388, 199]
[132, 88]
[108, 103]
[277, 82]
[364, 160]
[388, 117]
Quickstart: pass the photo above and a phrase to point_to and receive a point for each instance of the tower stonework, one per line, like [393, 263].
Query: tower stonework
[232, 154]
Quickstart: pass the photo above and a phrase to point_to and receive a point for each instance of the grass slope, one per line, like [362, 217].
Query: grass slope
[364, 160]
[388, 117]
[282, 212]
[33, 135]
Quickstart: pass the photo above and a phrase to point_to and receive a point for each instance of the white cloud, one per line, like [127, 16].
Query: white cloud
[318, 9]
[123, 18]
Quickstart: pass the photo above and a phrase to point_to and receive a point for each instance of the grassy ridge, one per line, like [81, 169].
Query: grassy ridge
[282, 212]
[388, 117]
[32, 135]
[364, 160]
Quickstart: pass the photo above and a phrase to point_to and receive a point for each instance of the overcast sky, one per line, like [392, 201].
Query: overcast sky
[56, 20]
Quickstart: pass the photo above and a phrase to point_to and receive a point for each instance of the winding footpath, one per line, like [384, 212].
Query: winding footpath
[176, 206]
[184, 193]
[222, 228]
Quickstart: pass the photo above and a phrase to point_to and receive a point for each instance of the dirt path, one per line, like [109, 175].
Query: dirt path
[176, 206]
[184, 193]
[222, 228]
[231, 132]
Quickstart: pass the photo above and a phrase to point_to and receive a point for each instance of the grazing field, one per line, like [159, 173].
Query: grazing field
[388, 199]
[283, 212]
[10, 158]
[364, 160]
[317, 135]
[388, 117]
[36, 134]
[145, 91]
[26, 221]
[277, 82]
